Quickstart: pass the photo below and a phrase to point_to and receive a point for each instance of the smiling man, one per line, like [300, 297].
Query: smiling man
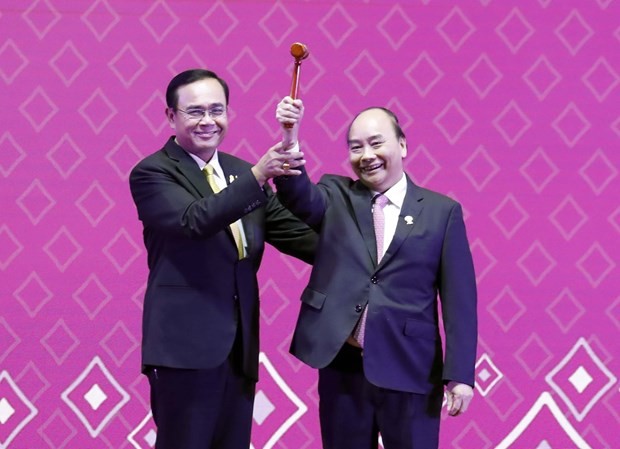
[205, 235]
[369, 319]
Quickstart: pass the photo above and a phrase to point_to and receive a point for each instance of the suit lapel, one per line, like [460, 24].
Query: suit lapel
[361, 199]
[188, 168]
[409, 213]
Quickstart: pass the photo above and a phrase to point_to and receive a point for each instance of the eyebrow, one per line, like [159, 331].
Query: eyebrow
[374, 136]
[212, 105]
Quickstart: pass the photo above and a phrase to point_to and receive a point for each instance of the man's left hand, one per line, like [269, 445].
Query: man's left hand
[458, 397]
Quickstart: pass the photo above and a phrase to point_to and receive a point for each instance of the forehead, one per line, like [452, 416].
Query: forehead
[371, 123]
[202, 92]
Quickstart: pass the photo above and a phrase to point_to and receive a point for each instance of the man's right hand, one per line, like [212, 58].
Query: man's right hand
[277, 161]
[289, 114]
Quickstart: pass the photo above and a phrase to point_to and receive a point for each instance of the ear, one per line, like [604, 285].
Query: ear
[402, 142]
[170, 116]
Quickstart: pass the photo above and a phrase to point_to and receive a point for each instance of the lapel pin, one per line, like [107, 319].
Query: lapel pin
[231, 178]
[409, 219]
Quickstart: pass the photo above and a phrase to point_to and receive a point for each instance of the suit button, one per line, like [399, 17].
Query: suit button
[236, 298]
[374, 280]
[359, 308]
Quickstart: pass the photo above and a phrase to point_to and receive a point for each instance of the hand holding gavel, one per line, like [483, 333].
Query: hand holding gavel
[300, 52]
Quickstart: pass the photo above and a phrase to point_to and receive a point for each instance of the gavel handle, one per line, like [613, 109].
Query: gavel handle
[295, 85]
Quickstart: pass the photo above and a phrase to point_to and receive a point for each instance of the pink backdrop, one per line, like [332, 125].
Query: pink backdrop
[511, 107]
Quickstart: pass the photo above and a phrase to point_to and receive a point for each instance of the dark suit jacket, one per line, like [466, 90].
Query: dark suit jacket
[198, 292]
[429, 255]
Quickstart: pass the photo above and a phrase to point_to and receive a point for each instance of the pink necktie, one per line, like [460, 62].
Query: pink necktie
[378, 219]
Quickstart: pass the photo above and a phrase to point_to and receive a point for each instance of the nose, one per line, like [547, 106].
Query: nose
[206, 119]
[367, 152]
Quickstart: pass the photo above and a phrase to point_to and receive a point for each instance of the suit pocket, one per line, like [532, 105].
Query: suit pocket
[313, 298]
[420, 329]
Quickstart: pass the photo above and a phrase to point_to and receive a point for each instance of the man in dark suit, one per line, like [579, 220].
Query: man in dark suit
[201, 309]
[369, 316]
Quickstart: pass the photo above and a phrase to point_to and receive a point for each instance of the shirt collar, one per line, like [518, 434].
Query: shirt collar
[214, 162]
[396, 193]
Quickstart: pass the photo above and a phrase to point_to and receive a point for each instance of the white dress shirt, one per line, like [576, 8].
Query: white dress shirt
[391, 211]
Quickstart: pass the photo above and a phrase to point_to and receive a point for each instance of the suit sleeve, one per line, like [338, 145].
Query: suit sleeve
[286, 232]
[457, 289]
[168, 202]
[303, 198]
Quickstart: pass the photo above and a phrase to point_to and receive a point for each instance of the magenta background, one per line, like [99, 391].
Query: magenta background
[511, 107]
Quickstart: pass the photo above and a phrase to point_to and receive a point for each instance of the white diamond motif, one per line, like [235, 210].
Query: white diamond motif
[143, 432]
[95, 397]
[95, 368]
[6, 411]
[580, 379]
[484, 375]
[299, 407]
[595, 387]
[489, 371]
[263, 407]
[12, 400]
[150, 438]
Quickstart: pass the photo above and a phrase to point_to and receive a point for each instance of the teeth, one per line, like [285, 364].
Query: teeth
[372, 167]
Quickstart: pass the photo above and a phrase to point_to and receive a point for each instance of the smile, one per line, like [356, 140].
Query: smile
[371, 168]
[205, 134]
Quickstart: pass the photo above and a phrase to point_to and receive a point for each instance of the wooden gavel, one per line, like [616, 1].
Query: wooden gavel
[300, 52]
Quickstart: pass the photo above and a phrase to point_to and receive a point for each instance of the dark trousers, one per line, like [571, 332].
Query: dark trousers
[353, 411]
[201, 409]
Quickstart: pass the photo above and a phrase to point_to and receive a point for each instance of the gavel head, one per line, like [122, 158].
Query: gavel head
[299, 51]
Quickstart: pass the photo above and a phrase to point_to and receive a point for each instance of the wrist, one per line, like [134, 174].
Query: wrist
[260, 178]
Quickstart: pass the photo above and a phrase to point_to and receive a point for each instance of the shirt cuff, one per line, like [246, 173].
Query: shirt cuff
[294, 148]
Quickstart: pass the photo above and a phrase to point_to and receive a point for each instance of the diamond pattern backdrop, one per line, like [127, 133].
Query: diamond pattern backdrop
[511, 107]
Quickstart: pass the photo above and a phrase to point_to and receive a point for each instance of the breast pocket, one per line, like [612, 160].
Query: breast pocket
[313, 298]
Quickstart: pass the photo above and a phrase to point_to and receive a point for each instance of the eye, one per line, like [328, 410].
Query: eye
[376, 144]
[216, 111]
[355, 148]
[196, 113]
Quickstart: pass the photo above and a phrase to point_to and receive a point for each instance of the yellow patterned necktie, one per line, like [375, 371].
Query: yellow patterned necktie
[233, 226]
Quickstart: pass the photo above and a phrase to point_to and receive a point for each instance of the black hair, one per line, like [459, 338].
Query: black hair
[188, 77]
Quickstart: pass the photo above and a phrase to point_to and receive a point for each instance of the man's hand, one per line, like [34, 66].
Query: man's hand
[277, 161]
[289, 114]
[458, 397]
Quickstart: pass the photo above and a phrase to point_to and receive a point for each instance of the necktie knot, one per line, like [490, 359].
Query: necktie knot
[210, 174]
[380, 200]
